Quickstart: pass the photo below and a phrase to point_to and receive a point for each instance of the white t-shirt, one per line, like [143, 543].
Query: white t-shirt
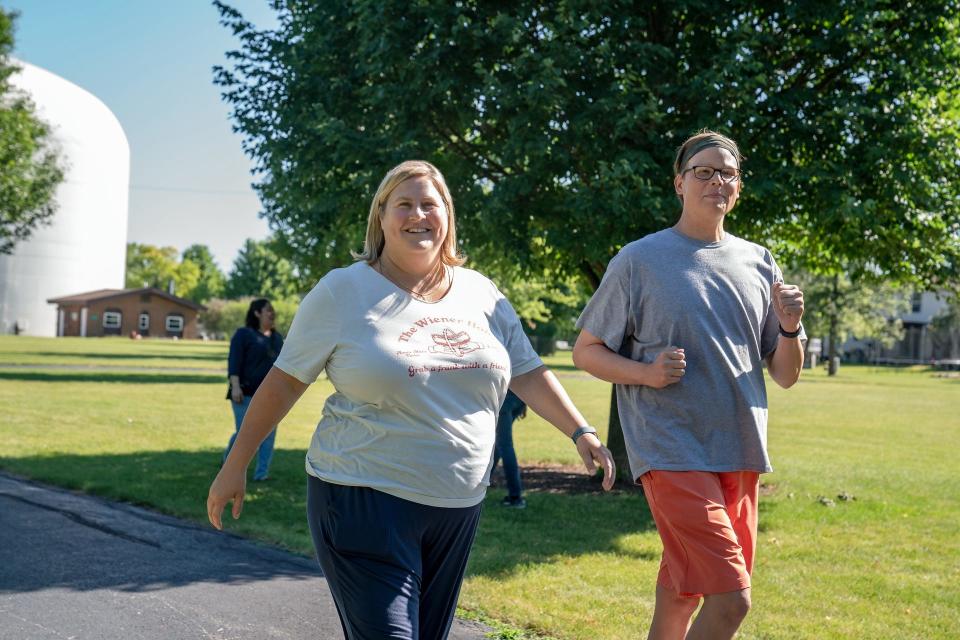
[418, 386]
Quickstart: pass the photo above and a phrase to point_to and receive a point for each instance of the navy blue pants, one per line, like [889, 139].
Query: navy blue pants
[512, 407]
[394, 567]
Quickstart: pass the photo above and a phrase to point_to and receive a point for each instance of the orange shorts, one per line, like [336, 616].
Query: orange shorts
[708, 524]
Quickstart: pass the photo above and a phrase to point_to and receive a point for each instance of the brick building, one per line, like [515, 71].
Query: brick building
[149, 311]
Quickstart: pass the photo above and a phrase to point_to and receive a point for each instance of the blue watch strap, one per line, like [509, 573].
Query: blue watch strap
[580, 431]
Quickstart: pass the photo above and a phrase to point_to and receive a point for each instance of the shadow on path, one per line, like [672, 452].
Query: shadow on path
[568, 514]
[100, 544]
[77, 566]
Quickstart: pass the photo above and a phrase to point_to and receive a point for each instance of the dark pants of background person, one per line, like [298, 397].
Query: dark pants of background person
[510, 411]
[264, 453]
[394, 567]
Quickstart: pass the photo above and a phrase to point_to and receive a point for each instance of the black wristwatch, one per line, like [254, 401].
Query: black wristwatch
[790, 334]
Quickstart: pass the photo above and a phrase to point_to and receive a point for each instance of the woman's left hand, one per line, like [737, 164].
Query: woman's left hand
[594, 453]
[787, 305]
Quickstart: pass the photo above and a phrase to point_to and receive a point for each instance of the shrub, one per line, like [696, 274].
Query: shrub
[223, 317]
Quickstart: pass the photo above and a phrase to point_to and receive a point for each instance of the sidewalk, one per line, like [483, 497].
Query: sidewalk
[78, 567]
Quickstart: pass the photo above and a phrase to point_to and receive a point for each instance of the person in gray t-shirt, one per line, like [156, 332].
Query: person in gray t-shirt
[682, 323]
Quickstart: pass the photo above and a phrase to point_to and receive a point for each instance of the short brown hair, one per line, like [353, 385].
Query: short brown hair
[701, 140]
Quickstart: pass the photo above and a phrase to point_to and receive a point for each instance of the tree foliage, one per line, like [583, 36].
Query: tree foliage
[863, 309]
[211, 281]
[556, 122]
[537, 297]
[152, 266]
[30, 169]
[259, 271]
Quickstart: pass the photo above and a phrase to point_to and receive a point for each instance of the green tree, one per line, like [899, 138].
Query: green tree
[151, 266]
[839, 309]
[212, 282]
[556, 122]
[29, 166]
[547, 304]
[259, 271]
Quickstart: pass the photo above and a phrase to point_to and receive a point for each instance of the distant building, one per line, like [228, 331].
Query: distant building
[920, 342]
[84, 246]
[149, 311]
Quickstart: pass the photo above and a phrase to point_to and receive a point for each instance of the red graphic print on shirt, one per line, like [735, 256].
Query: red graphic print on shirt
[447, 337]
[455, 342]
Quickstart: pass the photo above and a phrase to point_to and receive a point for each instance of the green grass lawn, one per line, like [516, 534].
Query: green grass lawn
[883, 565]
[113, 353]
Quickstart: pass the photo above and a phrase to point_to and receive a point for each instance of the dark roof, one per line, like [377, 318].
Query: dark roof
[104, 294]
[86, 297]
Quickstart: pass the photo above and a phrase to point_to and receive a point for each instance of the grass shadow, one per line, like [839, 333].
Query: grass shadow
[564, 367]
[111, 376]
[100, 355]
[554, 525]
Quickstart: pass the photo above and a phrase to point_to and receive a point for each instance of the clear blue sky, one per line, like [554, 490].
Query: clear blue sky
[150, 63]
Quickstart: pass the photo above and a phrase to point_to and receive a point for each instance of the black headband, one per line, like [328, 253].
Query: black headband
[711, 140]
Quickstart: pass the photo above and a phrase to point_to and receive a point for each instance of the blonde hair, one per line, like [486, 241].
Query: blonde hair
[374, 241]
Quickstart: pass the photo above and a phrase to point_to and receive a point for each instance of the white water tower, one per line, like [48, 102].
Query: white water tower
[84, 248]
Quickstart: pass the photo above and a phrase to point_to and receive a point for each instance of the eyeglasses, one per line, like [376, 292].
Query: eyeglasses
[703, 172]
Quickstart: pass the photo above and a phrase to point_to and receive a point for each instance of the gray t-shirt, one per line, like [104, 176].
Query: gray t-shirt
[418, 386]
[714, 300]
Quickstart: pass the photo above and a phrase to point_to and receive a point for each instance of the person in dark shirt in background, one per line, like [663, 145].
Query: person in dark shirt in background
[253, 350]
[513, 408]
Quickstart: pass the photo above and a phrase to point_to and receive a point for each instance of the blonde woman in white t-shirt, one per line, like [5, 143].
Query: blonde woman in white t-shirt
[421, 352]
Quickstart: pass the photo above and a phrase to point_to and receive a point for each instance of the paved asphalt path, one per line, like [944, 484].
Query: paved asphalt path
[78, 567]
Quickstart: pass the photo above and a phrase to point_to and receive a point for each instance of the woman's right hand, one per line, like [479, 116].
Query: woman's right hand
[227, 486]
[667, 369]
[236, 393]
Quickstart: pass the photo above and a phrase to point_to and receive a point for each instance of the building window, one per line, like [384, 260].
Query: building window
[144, 323]
[916, 302]
[174, 323]
[111, 319]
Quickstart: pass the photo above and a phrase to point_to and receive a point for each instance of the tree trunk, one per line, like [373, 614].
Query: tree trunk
[834, 312]
[615, 440]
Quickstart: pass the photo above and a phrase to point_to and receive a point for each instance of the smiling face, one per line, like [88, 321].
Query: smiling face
[414, 220]
[712, 197]
[266, 316]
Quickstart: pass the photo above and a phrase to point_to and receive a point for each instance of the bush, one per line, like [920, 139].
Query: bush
[223, 317]
[285, 308]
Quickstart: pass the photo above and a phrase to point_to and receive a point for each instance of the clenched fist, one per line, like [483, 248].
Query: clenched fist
[788, 305]
[667, 369]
